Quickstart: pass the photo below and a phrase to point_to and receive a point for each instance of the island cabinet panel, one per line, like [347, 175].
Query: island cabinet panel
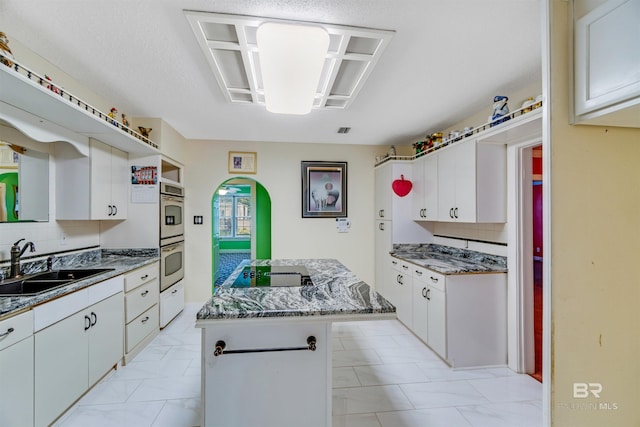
[16, 370]
[270, 388]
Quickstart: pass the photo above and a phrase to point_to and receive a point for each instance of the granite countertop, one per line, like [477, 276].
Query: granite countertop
[449, 260]
[336, 291]
[121, 261]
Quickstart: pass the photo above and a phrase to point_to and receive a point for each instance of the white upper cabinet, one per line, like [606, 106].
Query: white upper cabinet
[425, 188]
[383, 195]
[93, 187]
[607, 65]
[472, 183]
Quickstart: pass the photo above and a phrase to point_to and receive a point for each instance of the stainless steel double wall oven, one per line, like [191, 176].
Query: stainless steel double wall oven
[171, 234]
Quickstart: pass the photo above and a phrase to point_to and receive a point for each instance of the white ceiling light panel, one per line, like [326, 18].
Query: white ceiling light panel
[230, 46]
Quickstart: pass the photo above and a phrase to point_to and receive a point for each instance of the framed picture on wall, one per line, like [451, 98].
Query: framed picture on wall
[324, 189]
[243, 162]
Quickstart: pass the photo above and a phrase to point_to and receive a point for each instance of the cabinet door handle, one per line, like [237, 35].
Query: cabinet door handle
[428, 296]
[381, 226]
[145, 319]
[7, 333]
[405, 267]
[381, 213]
[394, 262]
[451, 213]
[110, 210]
[455, 213]
[424, 292]
[115, 210]
[144, 294]
[401, 281]
[87, 322]
[434, 279]
[94, 318]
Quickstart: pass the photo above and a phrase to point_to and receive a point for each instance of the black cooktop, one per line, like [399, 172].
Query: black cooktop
[272, 276]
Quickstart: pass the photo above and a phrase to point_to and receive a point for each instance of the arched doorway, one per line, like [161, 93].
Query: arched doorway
[241, 215]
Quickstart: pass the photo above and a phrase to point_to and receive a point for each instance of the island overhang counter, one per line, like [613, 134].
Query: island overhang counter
[266, 350]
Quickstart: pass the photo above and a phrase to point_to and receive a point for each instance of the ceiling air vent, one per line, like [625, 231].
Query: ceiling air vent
[344, 130]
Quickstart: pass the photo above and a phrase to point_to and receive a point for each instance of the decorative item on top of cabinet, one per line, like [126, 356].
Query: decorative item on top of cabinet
[144, 131]
[7, 56]
[500, 110]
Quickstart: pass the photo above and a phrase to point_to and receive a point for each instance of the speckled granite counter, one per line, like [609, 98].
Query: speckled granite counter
[336, 291]
[450, 260]
[121, 261]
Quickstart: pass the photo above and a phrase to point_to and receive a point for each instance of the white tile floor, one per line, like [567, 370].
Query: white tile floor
[382, 377]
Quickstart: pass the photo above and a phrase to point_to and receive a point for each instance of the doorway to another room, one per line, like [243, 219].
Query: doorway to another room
[241, 215]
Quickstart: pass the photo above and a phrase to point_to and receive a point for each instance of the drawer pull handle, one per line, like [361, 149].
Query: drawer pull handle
[424, 292]
[419, 273]
[144, 277]
[144, 294]
[175, 291]
[145, 319]
[435, 279]
[7, 333]
[405, 267]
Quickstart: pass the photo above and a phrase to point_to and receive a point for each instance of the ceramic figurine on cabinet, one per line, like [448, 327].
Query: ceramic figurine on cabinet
[53, 88]
[7, 56]
[125, 122]
[392, 151]
[500, 109]
[112, 115]
[145, 131]
[527, 105]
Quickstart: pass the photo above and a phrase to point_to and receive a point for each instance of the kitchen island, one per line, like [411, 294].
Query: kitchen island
[266, 350]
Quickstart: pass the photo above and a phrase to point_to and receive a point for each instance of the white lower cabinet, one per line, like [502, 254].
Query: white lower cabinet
[461, 317]
[73, 353]
[171, 303]
[16, 371]
[142, 293]
[401, 290]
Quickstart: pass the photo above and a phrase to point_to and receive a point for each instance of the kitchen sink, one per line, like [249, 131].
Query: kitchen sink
[46, 281]
[69, 274]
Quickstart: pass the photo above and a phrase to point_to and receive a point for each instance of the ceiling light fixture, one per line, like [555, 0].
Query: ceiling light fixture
[291, 61]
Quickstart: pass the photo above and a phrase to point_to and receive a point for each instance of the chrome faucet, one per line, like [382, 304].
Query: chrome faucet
[16, 253]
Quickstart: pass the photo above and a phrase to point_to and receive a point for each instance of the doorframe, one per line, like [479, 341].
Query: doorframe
[520, 256]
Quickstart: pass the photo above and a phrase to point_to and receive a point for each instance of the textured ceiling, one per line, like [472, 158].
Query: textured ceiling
[446, 61]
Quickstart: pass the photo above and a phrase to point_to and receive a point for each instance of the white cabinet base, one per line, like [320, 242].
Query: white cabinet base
[171, 303]
[267, 389]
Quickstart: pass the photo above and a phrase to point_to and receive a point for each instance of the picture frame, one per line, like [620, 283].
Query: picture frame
[324, 189]
[243, 162]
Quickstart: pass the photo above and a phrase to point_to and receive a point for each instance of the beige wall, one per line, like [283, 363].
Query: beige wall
[595, 243]
[292, 236]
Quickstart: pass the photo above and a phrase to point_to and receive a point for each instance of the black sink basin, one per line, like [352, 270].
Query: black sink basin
[41, 282]
[69, 274]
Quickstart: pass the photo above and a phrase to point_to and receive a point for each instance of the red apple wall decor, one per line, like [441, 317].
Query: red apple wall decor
[401, 186]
